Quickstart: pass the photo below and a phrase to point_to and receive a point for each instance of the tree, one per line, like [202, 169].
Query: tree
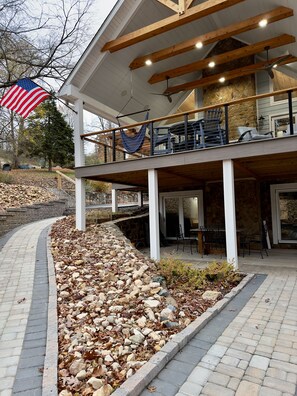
[40, 41]
[49, 136]
[43, 43]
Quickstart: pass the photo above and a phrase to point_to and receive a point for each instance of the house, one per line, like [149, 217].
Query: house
[180, 59]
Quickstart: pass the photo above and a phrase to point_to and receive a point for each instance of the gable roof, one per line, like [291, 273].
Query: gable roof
[109, 84]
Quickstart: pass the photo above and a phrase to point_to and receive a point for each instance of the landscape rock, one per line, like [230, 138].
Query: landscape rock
[211, 295]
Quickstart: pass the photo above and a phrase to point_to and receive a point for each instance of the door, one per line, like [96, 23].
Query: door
[284, 213]
[181, 210]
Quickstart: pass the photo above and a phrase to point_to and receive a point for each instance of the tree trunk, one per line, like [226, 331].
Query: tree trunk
[14, 143]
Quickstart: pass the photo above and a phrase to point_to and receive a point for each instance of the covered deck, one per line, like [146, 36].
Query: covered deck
[198, 129]
[232, 177]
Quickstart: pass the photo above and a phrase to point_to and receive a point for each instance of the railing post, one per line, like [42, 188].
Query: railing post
[113, 146]
[290, 112]
[152, 138]
[105, 154]
[226, 107]
[186, 130]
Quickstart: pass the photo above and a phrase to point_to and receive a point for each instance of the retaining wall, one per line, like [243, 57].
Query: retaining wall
[15, 217]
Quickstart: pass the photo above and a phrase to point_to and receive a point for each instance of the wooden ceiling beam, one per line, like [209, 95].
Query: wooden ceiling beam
[214, 36]
[248, 50]
[229, 75]
[170, 4]
[202, 10]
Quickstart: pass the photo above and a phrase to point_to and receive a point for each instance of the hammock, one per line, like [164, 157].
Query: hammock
[133, 143]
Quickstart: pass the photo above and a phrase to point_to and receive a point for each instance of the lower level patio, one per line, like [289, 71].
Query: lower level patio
[278, 260]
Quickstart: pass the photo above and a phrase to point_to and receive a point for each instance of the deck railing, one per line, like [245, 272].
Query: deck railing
[110, 139]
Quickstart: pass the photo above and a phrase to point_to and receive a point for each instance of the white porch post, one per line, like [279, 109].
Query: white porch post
[230, 217]
[154, 214]
[80, 191]
[114, 200]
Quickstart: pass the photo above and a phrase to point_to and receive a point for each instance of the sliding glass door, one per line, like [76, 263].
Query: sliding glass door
[181, 211]
[284, 213]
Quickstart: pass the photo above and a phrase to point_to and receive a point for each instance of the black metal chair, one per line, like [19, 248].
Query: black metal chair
[181, 239]
[257, 242]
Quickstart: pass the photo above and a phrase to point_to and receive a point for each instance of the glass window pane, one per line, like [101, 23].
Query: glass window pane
[288, 215]
[172, 218]
[190, 208]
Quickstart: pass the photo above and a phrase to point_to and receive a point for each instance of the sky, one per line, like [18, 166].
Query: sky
[103, 8]
[100, 9]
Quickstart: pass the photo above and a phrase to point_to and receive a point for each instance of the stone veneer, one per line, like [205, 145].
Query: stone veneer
[15, 217]
[244, 114]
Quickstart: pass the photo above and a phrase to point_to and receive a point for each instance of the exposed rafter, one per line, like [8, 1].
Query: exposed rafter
[214, 36]
[179, 8]
[229, 75]
[223, 58]
[206, 8]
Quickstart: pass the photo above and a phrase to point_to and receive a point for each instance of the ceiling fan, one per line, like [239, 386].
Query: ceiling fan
[269, 66]
[167, 95]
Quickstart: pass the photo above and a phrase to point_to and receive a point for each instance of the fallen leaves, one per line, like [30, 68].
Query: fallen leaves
[15, 196]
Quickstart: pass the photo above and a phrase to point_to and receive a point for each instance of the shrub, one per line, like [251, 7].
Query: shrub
[6, 178]
[97, 186]
[179, 274]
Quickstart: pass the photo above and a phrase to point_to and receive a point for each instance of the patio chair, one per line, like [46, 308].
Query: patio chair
[178, 132]
[209, 131]
[181, 239]
[162, 140]
[248, 133]
[258, 243]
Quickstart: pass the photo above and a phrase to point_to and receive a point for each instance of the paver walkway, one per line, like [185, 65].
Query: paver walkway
[18, 269]
[255, 355]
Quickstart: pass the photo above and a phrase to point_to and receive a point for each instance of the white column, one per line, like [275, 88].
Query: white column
[140, 199]
[230, 217]
[154, 214]
[80, 191]
[114, 200]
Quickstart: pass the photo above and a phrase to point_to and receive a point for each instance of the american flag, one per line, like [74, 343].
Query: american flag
[23, 97]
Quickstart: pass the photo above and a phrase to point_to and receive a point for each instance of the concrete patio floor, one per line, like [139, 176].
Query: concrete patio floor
[278, 260]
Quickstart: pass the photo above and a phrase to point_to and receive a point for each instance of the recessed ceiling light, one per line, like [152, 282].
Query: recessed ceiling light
[222, 79]
[263, 23]
[148, 62]
[199, 44]
[211, 64]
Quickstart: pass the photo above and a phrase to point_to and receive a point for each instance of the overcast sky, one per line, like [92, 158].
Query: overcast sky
[102, 8]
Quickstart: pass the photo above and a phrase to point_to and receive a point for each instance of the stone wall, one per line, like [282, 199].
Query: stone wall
[136, 229]
[248, 207]
[15, 217]
[244, 114]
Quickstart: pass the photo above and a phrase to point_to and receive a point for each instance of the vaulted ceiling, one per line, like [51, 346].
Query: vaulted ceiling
[176, 38]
